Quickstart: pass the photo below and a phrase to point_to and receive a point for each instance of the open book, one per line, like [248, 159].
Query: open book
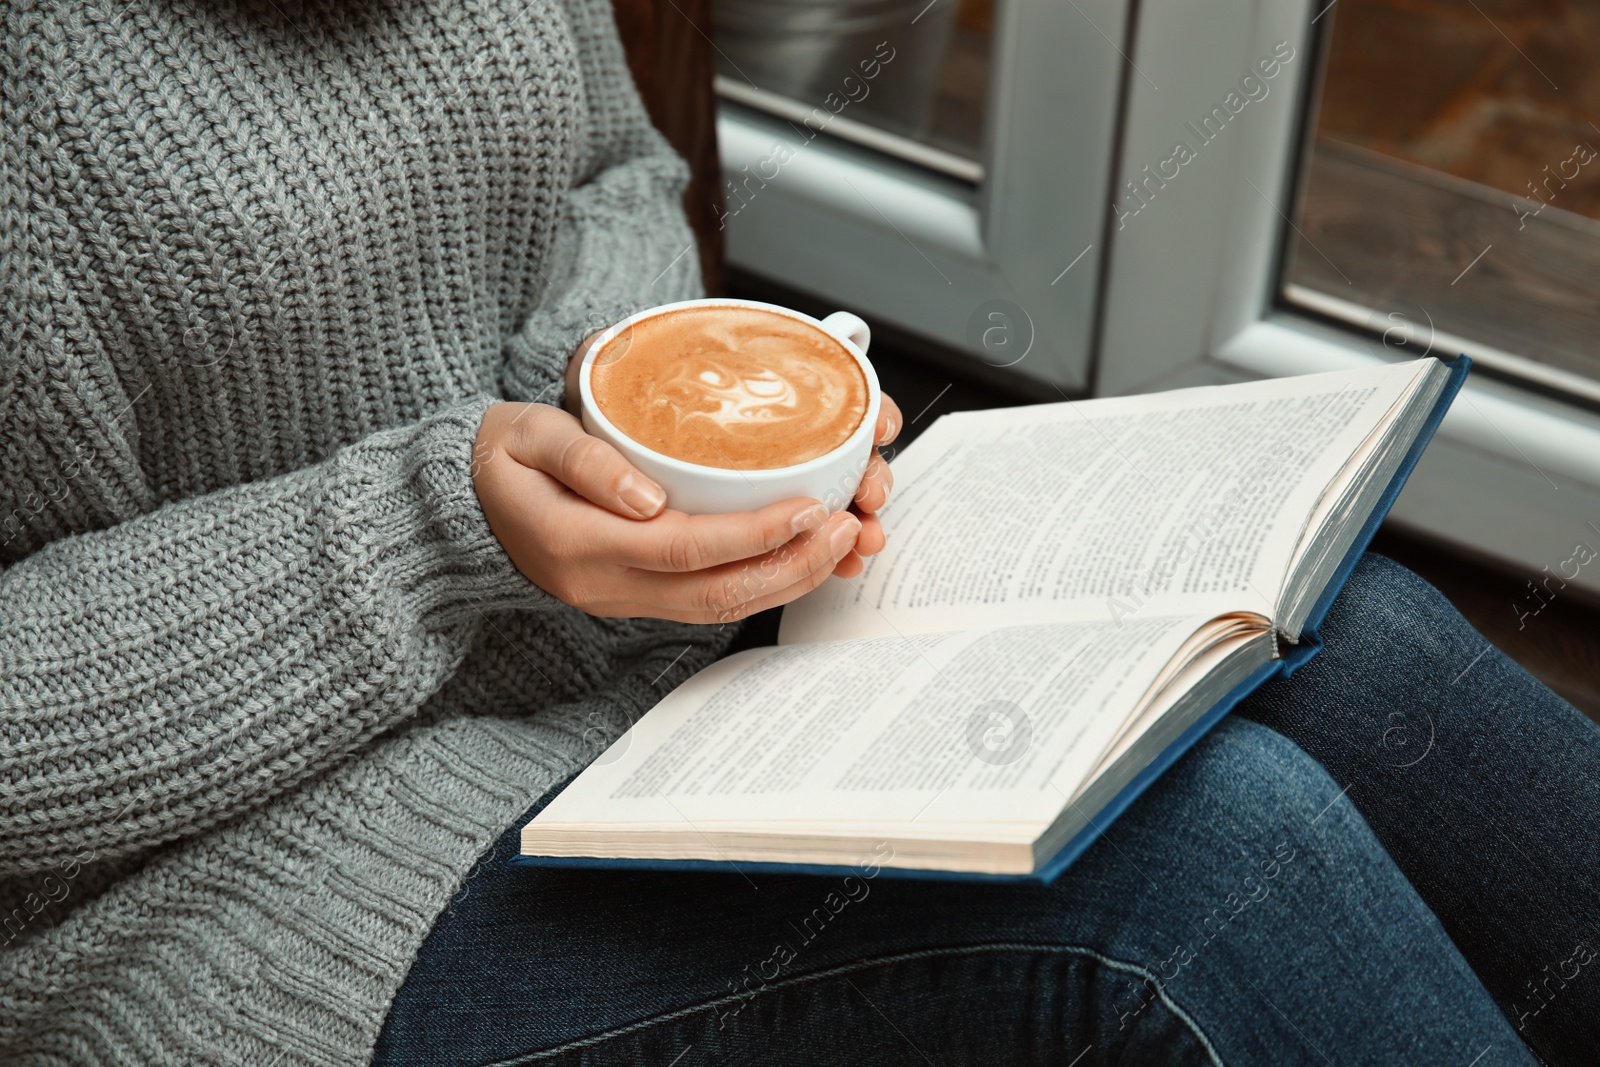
[1071, 595]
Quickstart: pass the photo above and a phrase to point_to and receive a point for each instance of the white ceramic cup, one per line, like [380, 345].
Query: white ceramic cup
[700, 490]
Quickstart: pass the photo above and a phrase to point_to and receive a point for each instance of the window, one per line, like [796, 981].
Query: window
[1172, 193]
[907, 77]
[1450, 192]
[911, 160]
[1212, 279]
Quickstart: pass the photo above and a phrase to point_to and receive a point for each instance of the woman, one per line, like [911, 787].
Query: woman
[310, 592]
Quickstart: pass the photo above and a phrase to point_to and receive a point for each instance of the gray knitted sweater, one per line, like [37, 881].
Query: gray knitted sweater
[268, 684]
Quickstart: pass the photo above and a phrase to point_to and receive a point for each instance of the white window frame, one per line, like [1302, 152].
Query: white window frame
[1189, 291]
[931, 253]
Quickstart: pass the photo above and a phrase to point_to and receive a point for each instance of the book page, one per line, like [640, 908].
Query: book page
[997, 726]
[1184, 502]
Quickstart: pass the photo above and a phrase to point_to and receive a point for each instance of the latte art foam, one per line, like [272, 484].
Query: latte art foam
[731, 387]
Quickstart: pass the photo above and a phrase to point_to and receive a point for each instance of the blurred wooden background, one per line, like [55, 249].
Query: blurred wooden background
[669, 51]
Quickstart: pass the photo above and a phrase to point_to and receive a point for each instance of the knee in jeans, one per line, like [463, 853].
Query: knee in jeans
[1380, 577]
[1262, 798]
[1254, 780]
[1388, 612]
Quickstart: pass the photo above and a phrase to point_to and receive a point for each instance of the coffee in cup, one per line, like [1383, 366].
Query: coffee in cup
[730, 405]
[740, 388]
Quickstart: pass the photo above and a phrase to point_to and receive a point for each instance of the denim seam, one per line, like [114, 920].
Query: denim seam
[861, 965]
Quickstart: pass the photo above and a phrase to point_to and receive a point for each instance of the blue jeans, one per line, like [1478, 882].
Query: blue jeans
[1389, 858]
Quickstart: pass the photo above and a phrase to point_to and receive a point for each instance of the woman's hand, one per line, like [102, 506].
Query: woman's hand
[870, 495]
[585, 525]
[873, 493]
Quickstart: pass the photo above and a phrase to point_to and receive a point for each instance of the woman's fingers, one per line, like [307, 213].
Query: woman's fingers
[872, 539]
[889, 422]
[786, 574]
[873, 492]
[734, 590]
[851, 566]
[697, 568]
[552, 441]
[675, 542]
[779, 598]
[869, 542]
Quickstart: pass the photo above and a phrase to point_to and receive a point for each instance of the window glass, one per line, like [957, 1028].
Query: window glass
[905, 76]
[1451, 192]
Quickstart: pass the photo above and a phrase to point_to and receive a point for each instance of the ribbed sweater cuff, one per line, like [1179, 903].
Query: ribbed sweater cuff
[436, 544]
[537, 368]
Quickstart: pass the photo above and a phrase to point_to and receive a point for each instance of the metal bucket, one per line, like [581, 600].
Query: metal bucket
[806, 49]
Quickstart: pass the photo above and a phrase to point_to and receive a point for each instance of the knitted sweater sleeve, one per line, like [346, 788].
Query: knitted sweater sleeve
[161, 675]
[191, 662]
[622, 242]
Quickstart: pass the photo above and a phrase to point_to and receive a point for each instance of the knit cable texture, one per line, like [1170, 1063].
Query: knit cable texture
[269, 686]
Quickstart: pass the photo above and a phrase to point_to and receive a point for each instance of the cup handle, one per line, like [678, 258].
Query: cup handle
[848, 327]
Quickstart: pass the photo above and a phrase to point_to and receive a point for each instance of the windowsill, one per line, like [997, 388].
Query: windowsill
[1561, 441]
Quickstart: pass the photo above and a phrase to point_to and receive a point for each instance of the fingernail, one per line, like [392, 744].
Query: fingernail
[843, 538]
[811, 518]
[642, 495]
[892, 429]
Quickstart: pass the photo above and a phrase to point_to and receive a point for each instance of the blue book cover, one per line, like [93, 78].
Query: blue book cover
[1293, 657]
